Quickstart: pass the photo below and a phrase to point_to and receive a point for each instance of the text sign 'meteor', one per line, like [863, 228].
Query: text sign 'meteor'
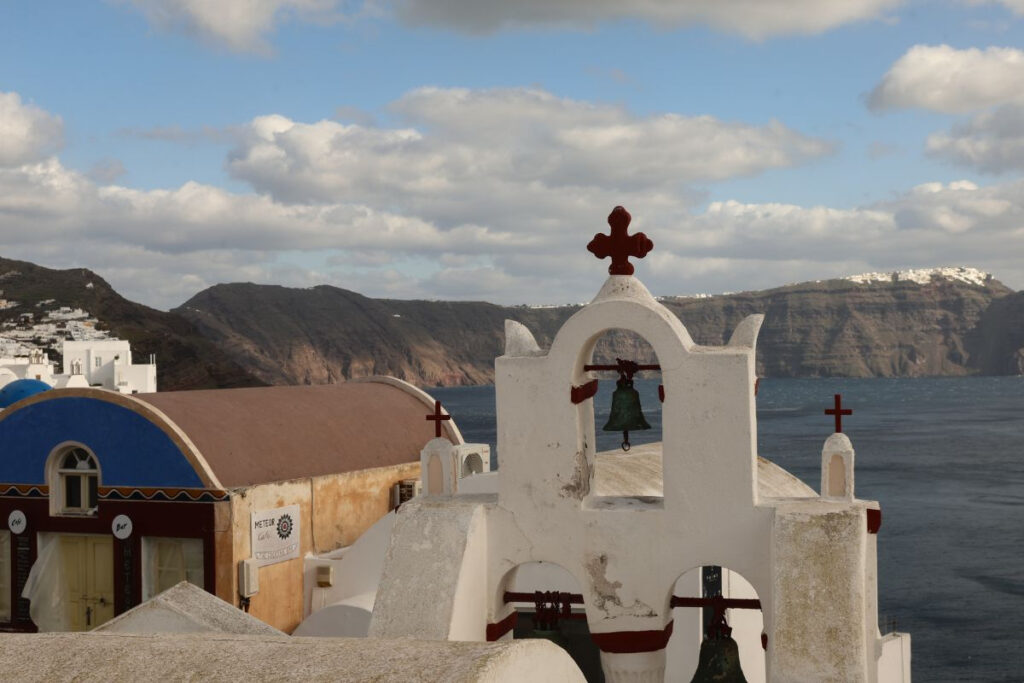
[275, 535]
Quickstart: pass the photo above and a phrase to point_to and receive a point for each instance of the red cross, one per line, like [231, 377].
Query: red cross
[619, 245]
[436, 417]
[838, 411]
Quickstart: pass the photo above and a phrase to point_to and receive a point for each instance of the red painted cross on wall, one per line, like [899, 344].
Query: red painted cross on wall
[437, 417]
[838, 411]
[619, 245]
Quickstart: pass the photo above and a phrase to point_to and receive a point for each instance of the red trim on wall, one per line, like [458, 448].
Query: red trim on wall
[623, 642]
[874, 520]
[581, 394]
[496, 631]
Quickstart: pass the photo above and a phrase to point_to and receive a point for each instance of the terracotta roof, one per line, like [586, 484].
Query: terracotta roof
[258, 435]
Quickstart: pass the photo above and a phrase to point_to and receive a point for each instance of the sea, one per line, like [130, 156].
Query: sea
[945, 459]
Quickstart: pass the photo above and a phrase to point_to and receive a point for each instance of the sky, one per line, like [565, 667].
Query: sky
[469, 149]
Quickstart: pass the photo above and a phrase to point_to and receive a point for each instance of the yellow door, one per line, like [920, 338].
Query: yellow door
[89, 578]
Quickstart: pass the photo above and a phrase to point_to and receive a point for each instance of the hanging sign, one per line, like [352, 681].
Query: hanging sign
[121, 527]
[275, 535]
[16, 521]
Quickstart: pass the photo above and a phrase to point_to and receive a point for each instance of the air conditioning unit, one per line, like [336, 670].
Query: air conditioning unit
[407, 489]
[248, 578]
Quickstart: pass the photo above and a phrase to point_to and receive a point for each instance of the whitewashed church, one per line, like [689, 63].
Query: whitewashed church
[623, 543]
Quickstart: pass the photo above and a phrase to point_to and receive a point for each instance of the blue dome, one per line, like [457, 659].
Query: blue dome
[19, 389]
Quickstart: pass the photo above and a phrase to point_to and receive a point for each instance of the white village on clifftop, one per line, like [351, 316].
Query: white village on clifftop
[348, 532]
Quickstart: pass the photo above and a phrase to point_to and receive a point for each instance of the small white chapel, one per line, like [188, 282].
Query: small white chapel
[567, 534]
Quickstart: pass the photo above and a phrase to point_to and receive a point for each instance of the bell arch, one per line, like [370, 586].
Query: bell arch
[693, 624]
[546, 600]
[627, 411]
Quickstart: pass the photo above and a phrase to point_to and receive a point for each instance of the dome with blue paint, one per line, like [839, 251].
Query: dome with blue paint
[19, 389]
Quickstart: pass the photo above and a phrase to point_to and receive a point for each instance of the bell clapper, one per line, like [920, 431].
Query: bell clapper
[625, 441]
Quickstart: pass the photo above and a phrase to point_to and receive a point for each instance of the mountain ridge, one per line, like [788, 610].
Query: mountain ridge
[841, 327]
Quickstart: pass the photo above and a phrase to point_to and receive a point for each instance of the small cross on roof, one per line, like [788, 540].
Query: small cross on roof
[838, 411]
[620, 245]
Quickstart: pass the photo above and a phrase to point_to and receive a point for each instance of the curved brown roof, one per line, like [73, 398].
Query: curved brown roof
[257, 435]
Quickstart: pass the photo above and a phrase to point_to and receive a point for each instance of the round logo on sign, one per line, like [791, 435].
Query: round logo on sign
[284, 526]
[121, 526]
[16, 521]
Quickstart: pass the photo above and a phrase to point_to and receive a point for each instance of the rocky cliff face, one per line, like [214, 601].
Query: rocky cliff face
[185, 358]
[907, 328]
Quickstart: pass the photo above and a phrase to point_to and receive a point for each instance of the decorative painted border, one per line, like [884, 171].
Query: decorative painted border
[25, 490]
[124, 493]
[160, 494]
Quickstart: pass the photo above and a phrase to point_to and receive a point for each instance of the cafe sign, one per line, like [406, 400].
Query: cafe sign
[275, 535]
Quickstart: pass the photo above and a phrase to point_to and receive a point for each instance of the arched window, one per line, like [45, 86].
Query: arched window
[74, 486]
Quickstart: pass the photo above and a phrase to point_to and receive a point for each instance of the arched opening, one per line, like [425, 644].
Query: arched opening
[629, 394]
[73, 474]
[693, 622]
[473, 464]
[836, 476]
[546, 599]
[435, 476]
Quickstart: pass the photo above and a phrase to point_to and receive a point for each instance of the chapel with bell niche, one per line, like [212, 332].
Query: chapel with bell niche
[737, 571]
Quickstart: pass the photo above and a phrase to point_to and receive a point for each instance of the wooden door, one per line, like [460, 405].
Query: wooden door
[89, 579]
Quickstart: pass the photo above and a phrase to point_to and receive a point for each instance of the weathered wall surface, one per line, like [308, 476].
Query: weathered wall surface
[818, 585]
[334, 510]
[346, 505]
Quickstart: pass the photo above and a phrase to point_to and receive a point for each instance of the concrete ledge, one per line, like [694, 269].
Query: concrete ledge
[83, 657]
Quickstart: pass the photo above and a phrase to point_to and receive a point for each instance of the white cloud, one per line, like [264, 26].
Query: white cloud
[240, 25]
[505, 155]
[27, 133]
[944, 79]
[471, 202]
[244, 25]
[992, 141]
[751, 18]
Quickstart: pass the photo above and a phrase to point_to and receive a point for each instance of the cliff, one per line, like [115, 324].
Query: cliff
[859, 327]
[185, 358]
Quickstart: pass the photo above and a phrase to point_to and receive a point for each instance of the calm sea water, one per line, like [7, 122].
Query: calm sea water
[945, 458]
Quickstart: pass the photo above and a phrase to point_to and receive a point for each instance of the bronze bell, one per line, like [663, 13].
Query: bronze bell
[719, 662]
[626, 415]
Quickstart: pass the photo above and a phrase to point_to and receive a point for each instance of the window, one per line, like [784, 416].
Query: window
[99, 361]
[78, 479]
[168, 561]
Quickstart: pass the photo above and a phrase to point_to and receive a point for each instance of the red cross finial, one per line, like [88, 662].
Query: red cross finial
[838, 411]
[619, 245]
[436, 417]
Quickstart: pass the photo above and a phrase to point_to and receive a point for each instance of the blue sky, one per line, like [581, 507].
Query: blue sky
[468, 149]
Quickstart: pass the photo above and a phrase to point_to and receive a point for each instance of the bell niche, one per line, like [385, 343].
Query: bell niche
[627, 413]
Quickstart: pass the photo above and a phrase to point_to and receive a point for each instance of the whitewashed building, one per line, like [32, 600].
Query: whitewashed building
[102, 363]
[799, 567]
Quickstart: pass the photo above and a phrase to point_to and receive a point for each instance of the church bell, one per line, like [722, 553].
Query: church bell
[626, 415]
[719, 660]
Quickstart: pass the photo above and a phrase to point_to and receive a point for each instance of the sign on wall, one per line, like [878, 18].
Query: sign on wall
[275, 535]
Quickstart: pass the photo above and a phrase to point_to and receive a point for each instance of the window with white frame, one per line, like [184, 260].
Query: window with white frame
[76, 488]
[169, 561]
[99, 361]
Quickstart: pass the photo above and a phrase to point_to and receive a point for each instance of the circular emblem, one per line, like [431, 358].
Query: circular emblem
[284, 526]
[121, 526]
[16, 521]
